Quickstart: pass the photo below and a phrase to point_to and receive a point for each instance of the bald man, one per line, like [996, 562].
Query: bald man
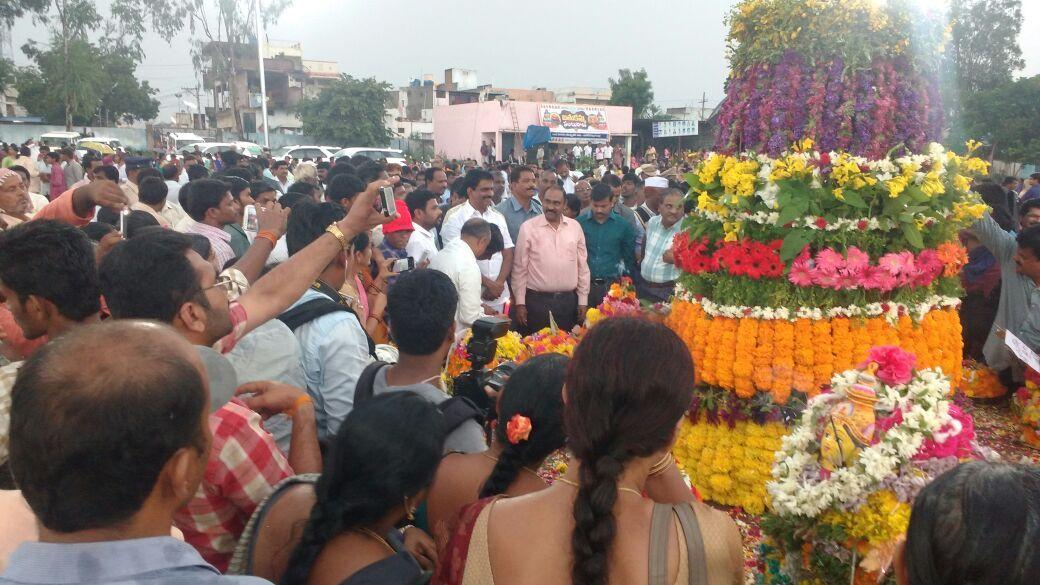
[105, 454]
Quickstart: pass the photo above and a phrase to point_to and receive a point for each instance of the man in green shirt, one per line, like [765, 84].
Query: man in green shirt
[611, 243]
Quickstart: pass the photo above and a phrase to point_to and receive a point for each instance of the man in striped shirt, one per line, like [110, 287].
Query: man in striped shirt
[211, 206]
[658, 268]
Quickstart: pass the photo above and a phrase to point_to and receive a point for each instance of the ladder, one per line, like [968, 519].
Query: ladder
[512, 112]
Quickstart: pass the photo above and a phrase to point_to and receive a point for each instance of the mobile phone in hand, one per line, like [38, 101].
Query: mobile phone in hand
[387, 203]
[403, 265]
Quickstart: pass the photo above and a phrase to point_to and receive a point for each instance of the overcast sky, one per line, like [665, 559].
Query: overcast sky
[521, 44]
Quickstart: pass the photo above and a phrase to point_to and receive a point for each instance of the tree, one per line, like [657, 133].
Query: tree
[983, 53]
[7, 70]
[632, 89]
[1008, 119]
[103, 85]
[348, 112]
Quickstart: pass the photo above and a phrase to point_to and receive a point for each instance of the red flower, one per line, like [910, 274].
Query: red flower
[862, 224]
[825, 159]
[821, 223]
[518, 428]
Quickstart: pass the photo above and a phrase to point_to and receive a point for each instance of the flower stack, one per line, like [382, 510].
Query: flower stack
[621, 300]
[847, 474]
[814, 237]
[980, 381]
[549, 341]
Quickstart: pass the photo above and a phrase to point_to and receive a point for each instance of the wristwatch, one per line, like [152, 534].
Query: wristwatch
[334, 230]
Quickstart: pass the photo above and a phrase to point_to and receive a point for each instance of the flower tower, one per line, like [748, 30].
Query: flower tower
[825, 224]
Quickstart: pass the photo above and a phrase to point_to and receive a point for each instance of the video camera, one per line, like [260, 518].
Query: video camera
[481, 349]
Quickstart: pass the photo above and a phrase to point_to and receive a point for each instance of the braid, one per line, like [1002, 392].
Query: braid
[506, 469]
[329, 518]
[594, 522]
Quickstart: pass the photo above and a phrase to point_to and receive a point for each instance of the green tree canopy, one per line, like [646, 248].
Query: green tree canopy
[348, 112]
[1008, 118]
[632, 89]
[104, 85]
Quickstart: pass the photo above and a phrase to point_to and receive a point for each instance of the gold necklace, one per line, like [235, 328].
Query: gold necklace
[525, 468]
[620, 488]
[382, 540]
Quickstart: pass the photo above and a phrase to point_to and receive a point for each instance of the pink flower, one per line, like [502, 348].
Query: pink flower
[856, 260]
[878, 278]
[928, 268]
[897, 263]
[801, 273]
[830, 261]
[827, 279]
[952, 440]
[895, 366]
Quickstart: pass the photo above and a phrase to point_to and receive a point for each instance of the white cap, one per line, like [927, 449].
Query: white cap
[659, 182]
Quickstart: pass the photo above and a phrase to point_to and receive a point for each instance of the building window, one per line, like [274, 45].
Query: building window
[400, 129]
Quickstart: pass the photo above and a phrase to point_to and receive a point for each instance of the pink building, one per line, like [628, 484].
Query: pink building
[459, 129]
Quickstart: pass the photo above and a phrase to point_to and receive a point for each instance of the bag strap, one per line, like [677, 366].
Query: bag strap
[694, 544]
[660, 524]
[366, 382]
[302, 314]
[457, 410]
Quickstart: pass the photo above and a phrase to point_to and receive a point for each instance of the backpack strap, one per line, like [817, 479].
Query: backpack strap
[698, 561]
[660, 524]
[457, 410]
[366, 382]
[304, 313]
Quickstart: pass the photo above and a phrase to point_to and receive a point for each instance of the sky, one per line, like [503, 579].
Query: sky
[525, 44]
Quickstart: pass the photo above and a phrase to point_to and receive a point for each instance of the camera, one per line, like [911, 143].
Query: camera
[481, 349]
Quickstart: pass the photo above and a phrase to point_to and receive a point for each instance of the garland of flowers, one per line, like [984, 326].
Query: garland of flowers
[980, 381]
[836, 518]
[768, 365]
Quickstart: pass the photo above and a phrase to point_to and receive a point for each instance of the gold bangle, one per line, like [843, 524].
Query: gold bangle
[660, 466]
[338, 233]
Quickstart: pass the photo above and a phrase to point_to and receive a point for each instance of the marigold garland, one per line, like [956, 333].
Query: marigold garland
[729, 465]
[980, 381]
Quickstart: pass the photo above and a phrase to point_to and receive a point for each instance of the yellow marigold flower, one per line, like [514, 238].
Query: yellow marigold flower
[896, 185]
[975, 165]
[961, 183]
[839, 193]
[972, 145]
[710, 169]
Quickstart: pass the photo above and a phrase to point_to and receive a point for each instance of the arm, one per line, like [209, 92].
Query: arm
[273, 220]
[250, 462]
[451, 228]
[520, 267]
[267, 399]
[469, 296]
[77, 206]
[1000, 242]
[304, 451]
[507, 266]
[584, 277]
[284, 285]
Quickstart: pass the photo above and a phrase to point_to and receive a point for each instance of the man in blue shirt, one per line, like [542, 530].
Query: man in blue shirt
[106, 453]
[611, 243]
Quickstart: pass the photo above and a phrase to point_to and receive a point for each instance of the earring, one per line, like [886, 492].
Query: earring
[411, 510]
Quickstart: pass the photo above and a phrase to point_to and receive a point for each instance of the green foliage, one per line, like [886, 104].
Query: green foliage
[1007, 118]
[101, 85]
[349, 112]
[7, 71]
[11, 10]
[632, 89]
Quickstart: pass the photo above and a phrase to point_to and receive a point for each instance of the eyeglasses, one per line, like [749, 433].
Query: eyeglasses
[233, 282]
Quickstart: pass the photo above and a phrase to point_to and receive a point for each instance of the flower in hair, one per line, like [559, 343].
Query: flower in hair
[518, 429]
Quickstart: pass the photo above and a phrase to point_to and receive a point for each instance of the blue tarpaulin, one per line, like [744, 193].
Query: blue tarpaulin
[536, 135]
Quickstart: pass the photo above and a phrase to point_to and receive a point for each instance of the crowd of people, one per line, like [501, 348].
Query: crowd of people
[217, 375]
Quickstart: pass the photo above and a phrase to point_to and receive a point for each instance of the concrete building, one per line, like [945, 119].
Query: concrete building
[459, 129]
[593, 96]
[289, 78]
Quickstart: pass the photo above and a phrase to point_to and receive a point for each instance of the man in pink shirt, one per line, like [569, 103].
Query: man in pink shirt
[550, 268]
[57, 174]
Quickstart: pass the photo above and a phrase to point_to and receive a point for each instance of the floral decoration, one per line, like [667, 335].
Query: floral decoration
[545, 341]
[621, 299]
[980, 381]
[837, 523]
[518, 429]
[1026, 408]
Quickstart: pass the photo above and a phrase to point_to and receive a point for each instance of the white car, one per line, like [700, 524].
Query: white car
[301, 152]
[392, 155]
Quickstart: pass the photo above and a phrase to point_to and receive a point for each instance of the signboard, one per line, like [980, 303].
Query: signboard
[672, 128]
[569, 123]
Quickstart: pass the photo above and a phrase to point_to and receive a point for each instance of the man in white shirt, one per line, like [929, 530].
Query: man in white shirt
[608, 152]
[576, 151]
[563, 171]
[587, 150]
[479, 187]
[422, 245]
[458, 260]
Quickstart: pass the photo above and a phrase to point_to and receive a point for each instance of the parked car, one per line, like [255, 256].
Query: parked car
[301, 152]
[112, 143]
[392, 155]
[179, 140]
[59, 139]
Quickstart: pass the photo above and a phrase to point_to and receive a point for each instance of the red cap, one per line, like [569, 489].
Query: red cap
[403, 221]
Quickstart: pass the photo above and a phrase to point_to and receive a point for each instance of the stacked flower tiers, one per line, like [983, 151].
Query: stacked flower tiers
[825, 224]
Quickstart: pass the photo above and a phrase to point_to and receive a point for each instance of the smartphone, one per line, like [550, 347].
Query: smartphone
[403, 265]
[122, 222]
[387, 204]
[425, 256]
[249, 222]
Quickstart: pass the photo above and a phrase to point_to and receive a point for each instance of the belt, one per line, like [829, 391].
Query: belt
[555, 295]
[609, 280]
[649, 284]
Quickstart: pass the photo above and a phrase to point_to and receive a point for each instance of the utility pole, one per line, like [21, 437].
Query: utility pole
[195, 119]
[704, 102]
[263, 81]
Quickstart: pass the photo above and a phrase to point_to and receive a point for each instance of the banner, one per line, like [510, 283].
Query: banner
[672, 128]
[569, 123]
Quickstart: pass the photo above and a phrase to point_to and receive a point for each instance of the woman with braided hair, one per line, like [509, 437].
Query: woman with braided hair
[342, 530]
[627, 388]
[529, 428]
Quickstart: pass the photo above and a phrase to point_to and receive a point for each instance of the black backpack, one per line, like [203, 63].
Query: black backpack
[456, 410]
[305, 313]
